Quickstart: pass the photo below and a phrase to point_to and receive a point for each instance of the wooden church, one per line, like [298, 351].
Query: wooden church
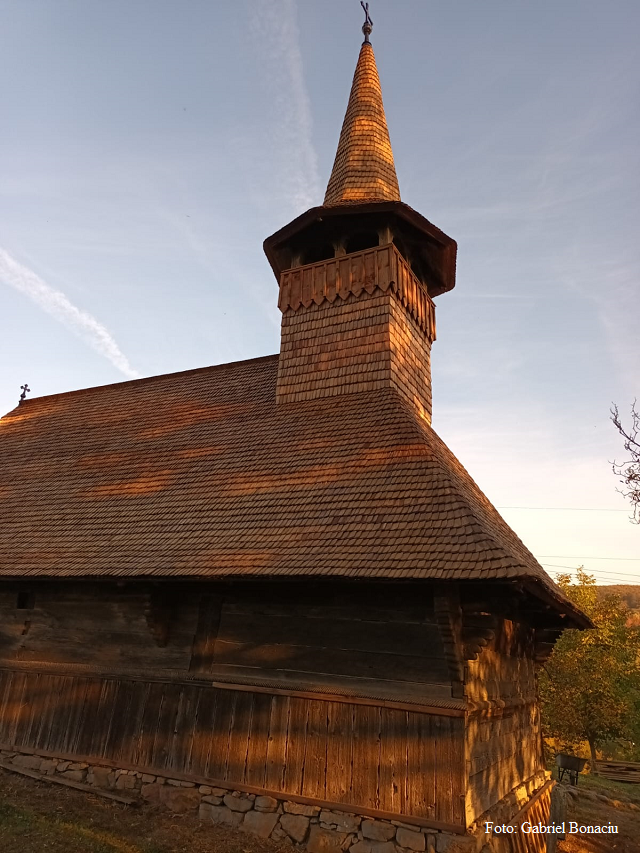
[271, 578]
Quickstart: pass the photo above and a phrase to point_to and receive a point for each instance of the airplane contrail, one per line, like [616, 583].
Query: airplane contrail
[275, 27]
[55, 303]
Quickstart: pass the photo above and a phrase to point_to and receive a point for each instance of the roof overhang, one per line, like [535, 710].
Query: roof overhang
[555, 601]
[437, 250]
[557, 607]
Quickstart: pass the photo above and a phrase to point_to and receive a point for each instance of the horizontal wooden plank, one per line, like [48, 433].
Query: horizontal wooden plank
[498, 707]
[322, 604]
[411, 638]
[632, 776]
[269, 656]
[343, 599]
[340, 688]
[619, 765]
[425, 698]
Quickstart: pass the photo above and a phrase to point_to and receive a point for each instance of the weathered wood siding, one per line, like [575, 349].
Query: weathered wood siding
[233, 682]
[98, 624]
[378, 641]
[503, 734]
[379, 758]
[384, 642]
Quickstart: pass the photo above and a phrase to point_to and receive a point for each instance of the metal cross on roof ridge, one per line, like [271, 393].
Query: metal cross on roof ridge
[368, 23]
[25, 390]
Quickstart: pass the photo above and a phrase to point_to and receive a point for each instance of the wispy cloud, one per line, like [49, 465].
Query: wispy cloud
[607, 276]
[55, 303]
[275, 28]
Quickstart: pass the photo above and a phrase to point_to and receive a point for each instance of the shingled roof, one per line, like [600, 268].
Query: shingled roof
[199, 474]
[364, 169]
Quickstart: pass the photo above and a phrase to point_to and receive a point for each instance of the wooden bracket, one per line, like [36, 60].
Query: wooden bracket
[475, 640]
[544, 641]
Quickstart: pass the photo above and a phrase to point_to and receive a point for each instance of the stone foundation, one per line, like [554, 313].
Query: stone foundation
[316, 829]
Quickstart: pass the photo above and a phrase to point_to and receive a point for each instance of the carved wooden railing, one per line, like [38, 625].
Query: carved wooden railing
[381, 267]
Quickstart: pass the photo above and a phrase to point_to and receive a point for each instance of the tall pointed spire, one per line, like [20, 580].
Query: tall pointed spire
[357, 275]
[363, 169]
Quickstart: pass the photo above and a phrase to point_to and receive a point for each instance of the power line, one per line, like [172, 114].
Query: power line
[575, 568]
[566, 508]
[610, 579]
[578, 557]
[603, 581]
[634, 581]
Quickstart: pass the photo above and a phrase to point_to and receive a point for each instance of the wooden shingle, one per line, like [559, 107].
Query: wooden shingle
[364, 169]
[201, 474]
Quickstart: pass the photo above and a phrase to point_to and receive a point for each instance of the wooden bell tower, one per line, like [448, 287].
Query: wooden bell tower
[358, 275]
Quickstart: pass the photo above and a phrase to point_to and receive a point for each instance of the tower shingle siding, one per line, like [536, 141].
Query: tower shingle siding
[354, 324]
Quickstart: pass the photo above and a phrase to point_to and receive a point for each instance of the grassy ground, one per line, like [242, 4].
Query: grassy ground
[613, 790]
[600, 801]
[37, 817]
[41, 818]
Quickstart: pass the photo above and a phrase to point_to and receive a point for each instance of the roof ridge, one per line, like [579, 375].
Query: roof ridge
[143, 380]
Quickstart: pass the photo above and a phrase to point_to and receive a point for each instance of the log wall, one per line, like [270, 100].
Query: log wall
[275, 686]
[98, 624]
[369, 642]
[503, 733]
[381, 642]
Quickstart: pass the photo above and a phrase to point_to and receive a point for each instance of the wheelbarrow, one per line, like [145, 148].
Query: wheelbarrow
[570, 765]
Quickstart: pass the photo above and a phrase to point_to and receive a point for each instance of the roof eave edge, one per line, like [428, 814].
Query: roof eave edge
[560, 603]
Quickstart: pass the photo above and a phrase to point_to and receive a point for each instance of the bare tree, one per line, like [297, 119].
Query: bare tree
[629, 471]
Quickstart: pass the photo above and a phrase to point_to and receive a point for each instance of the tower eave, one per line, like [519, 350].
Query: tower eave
[434, 241]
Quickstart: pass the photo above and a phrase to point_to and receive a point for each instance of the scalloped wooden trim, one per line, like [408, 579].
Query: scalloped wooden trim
[381, 268]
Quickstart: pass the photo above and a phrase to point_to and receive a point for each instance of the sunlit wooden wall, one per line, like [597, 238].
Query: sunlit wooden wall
[382, 759]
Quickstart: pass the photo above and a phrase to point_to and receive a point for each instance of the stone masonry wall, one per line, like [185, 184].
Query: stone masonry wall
[306, 827]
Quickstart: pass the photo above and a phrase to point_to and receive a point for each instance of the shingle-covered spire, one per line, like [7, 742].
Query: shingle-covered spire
[363, 169]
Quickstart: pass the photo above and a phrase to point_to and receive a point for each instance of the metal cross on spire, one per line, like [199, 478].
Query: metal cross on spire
[25, 390]
[368, 23]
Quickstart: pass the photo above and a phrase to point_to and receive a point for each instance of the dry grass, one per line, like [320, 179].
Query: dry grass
[43, 818]
[601, 801]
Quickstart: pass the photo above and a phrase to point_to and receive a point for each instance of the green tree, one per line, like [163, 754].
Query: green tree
[590, 686]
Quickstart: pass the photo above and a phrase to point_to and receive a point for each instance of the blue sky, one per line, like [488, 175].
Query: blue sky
[149, 147]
